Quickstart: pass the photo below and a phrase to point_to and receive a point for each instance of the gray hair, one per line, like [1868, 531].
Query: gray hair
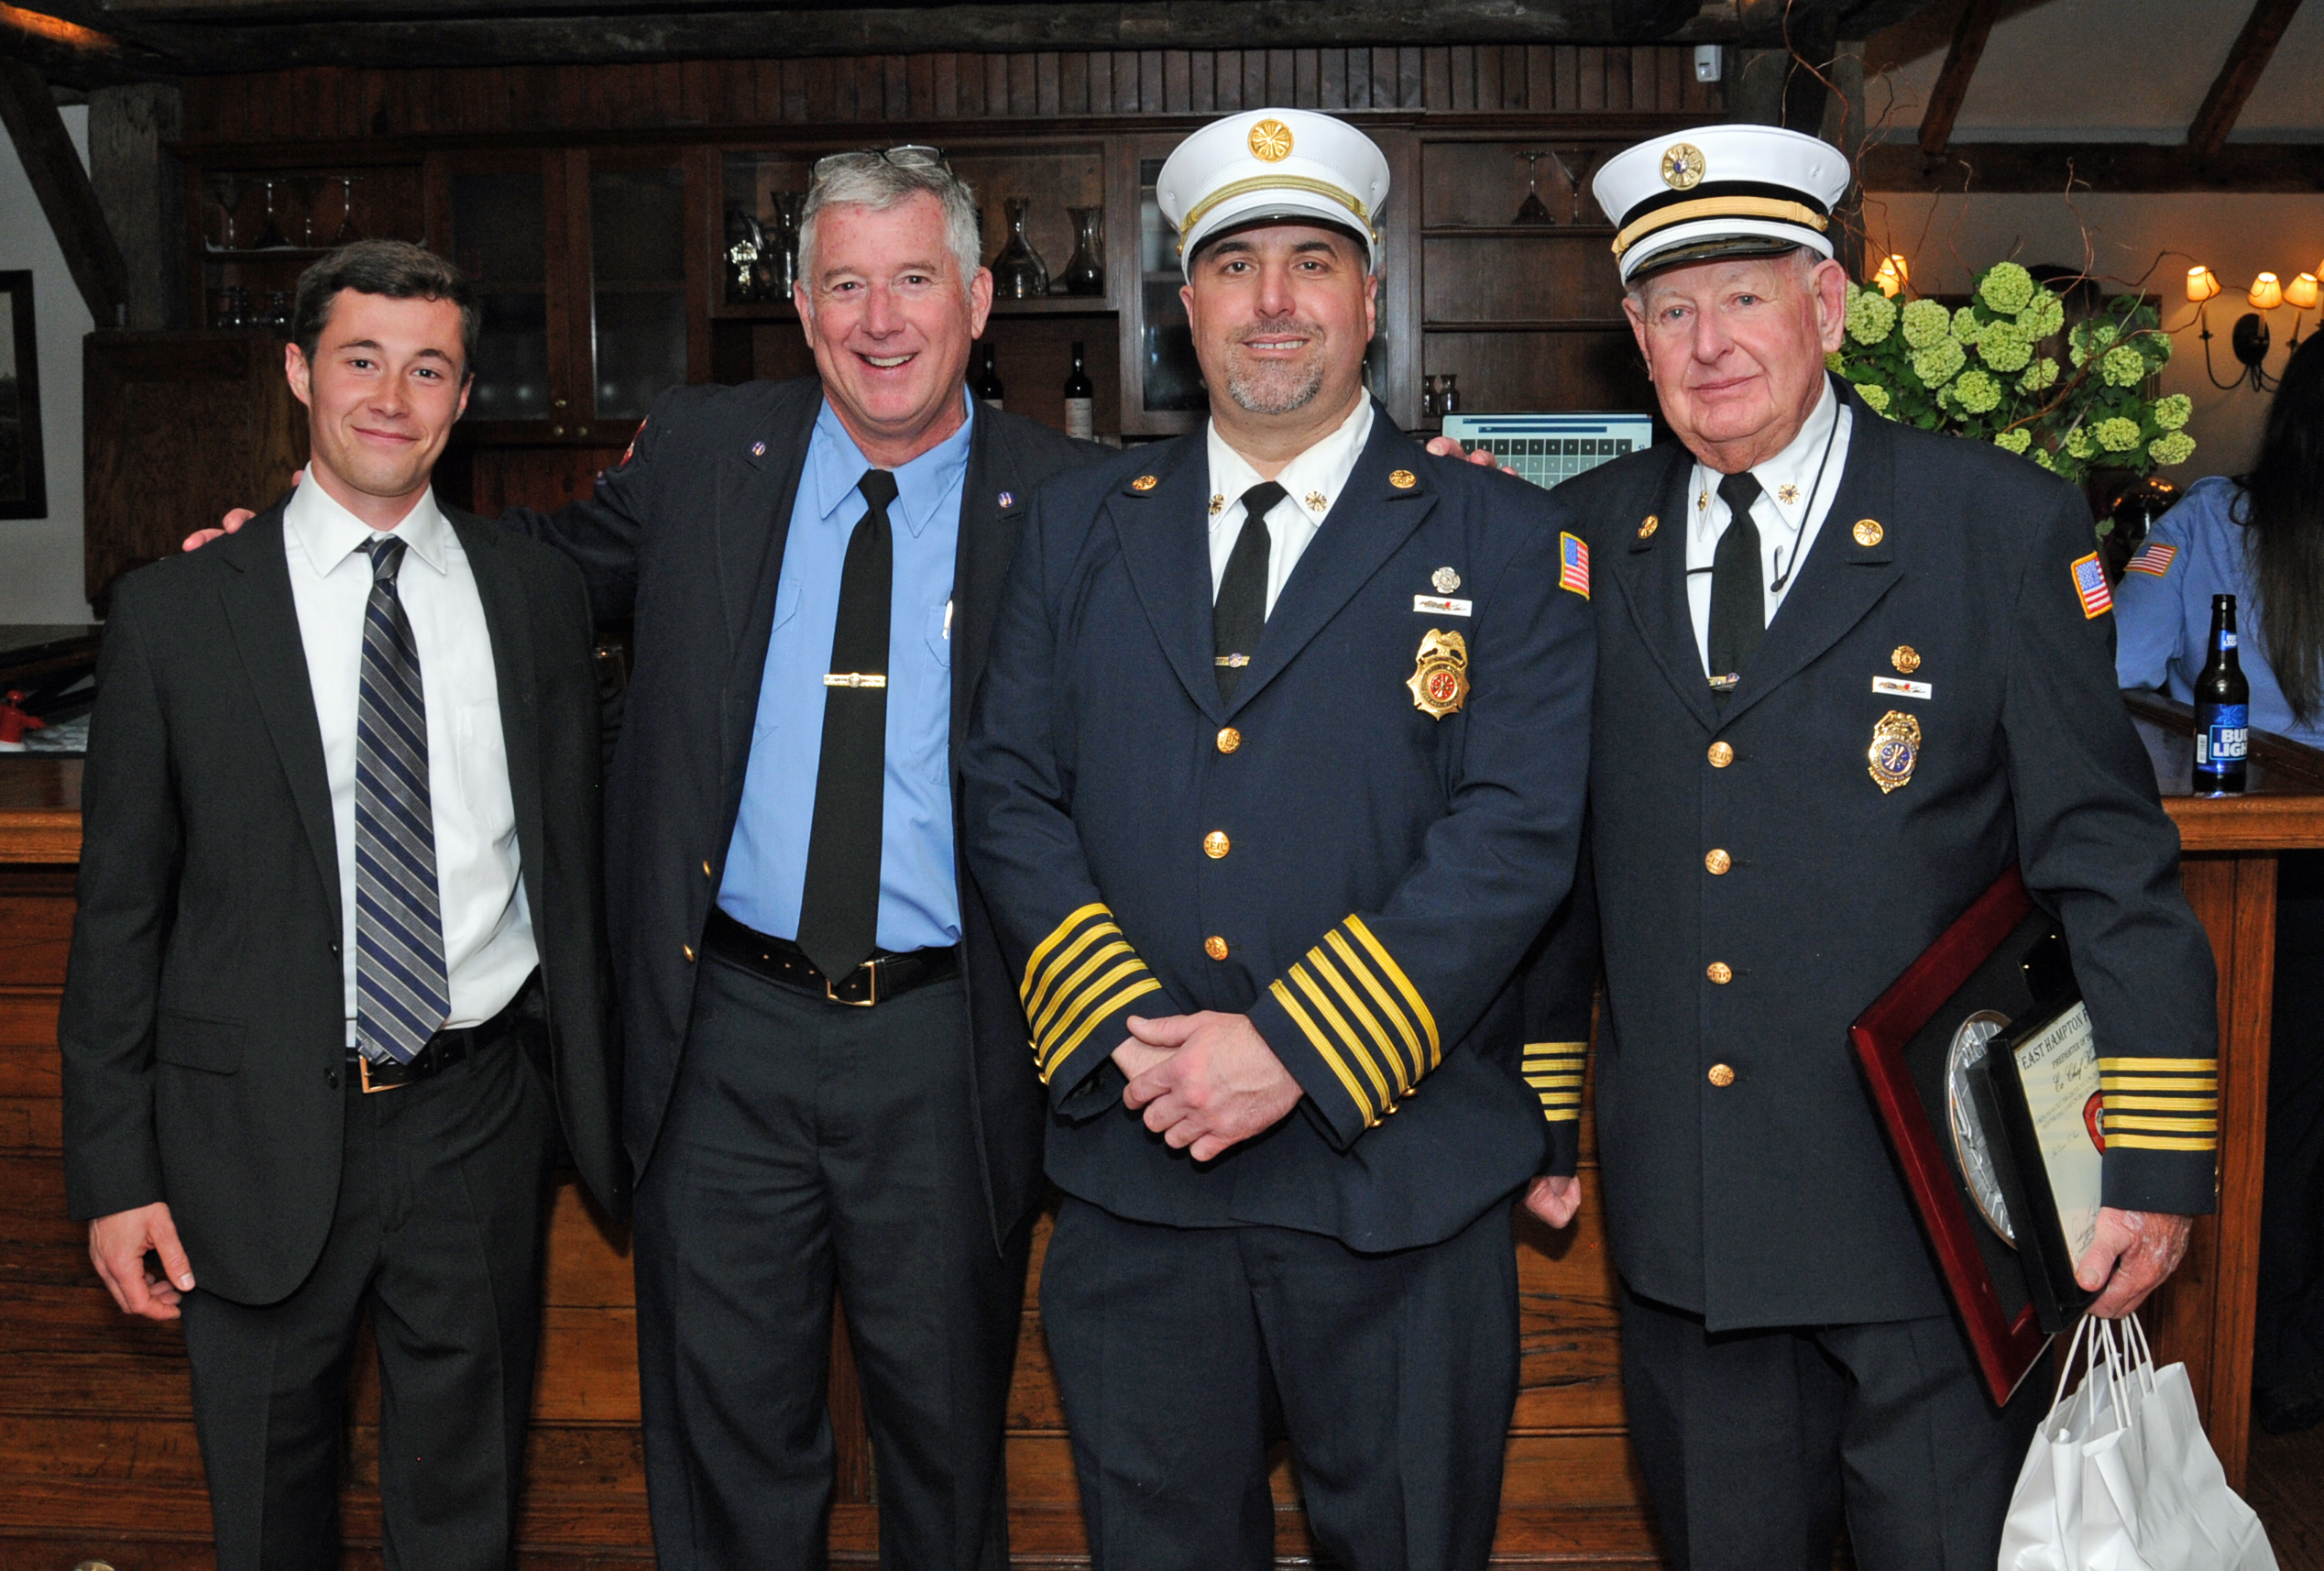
[882, 180]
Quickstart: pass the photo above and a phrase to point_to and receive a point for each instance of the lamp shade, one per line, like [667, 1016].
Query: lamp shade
[2266, 293]
[2301, 292]
[2202, 283]
[1893, 275]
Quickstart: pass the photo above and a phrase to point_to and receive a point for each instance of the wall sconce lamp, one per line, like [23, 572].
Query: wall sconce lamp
[2249, 338]
[1893, 276]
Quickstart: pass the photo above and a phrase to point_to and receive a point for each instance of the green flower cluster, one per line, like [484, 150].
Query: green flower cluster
[2006, 368]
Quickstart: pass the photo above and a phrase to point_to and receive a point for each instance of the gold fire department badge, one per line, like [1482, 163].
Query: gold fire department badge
[1896, 748]
[1440, 681]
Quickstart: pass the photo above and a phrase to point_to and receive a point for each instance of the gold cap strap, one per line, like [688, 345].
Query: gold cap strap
[1235, 187]
[1721, 207]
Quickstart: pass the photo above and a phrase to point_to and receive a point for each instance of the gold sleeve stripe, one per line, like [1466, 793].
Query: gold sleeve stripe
[1562, 1114]
[2159, 1143]
[2168, 1066]
[1355, 1005]
[1339, 1024]
[1324, 1048]
[2164, 1104]
[1395, 974]
[2171, 1126]
[1072, 982]
[1043, 992]
[1136, 990]
[1128, 969]
[1554, 1071]
[2157, 1083]
[1552, 1082]
[1361, 971]
[1057, 936]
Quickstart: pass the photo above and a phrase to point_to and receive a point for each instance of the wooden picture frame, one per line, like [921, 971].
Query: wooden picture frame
[24, 476]
[1997, 1309]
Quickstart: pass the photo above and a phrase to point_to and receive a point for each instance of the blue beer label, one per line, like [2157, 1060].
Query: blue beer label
[2222, 735]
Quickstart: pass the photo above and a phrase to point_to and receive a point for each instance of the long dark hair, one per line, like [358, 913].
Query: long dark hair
[2283, 507]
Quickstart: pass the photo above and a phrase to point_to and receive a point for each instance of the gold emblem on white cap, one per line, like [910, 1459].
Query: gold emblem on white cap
[1270, 141]
[1683, 165]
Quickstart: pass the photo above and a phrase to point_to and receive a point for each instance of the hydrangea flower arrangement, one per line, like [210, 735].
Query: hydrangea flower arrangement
[2004, 369]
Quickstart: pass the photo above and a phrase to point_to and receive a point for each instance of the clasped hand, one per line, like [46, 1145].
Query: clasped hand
[1205, 1082]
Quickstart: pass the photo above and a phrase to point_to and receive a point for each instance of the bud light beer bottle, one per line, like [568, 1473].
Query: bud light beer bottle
[2222, 708]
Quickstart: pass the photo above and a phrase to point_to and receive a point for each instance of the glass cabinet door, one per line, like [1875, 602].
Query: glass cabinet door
[500, 238]
[637, 288]
[1172, 377]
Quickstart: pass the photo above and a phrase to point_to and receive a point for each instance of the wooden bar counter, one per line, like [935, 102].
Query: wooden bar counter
[97, 1453]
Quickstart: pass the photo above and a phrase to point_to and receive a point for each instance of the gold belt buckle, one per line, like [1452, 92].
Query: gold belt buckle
[363, 1063]
[872, 966]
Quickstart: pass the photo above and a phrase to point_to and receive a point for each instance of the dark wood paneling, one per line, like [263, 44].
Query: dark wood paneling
[1597, 369]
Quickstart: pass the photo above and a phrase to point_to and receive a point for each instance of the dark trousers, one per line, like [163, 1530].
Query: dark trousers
[444, 1192]
[2288, 1359]
[1758, 1445]
[809, 1143]
[1183, 1354]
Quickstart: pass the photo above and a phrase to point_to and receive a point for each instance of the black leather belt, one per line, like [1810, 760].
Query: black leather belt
[876, 981]
[446, 1048]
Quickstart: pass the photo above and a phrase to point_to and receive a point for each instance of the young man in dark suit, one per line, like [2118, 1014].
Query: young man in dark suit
[339, 978]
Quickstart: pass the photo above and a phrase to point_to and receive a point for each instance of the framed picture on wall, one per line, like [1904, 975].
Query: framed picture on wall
[24, 484]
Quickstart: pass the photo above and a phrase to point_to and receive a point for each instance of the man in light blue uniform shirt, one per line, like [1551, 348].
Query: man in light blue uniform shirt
[767, 858]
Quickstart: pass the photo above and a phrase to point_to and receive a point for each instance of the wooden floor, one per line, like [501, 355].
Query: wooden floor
[2286, 1487]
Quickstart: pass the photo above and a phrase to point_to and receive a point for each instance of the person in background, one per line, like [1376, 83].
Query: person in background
[2260, 537]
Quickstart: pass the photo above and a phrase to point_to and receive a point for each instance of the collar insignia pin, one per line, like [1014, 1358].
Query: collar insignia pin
[1144, 483]
[1317, 501]
[1788, 495]
[1403, 480]
[1648, 525]
[1218, 504]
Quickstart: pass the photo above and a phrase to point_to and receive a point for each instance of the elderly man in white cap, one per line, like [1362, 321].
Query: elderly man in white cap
[1795, 589]
[1276, 774]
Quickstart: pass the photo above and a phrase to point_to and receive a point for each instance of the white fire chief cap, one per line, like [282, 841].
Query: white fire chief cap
[1274, 165]
[1718, 191]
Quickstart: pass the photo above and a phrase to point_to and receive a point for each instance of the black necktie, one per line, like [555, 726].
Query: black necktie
[1739, 594]
[1239, 614]
[840, 905]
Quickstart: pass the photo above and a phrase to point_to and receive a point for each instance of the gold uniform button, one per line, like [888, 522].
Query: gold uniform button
[705, 867]
[1721, 755]
[1215, 947]
[1215, 844]
[689, 951]
[1717, 861]
[1722, 1076]
[1229, 738]
[1718, 971]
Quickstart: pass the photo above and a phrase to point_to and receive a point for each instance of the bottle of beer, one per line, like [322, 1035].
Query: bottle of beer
[988, 380]
[2222, 708]
[1080, 402]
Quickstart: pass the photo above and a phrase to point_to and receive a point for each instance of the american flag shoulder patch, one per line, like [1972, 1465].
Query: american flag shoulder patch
[1573, 564]
[2089, 587]
[2154, 561]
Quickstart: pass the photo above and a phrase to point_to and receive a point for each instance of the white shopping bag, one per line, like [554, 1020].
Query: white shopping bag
[2122, 1477]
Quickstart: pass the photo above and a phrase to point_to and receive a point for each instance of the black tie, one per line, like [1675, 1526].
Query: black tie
[1738, 596]
[840, 905]
[1239, 614]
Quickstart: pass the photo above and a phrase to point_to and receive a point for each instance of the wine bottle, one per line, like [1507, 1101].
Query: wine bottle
[1080, 402]
[988, 380]
[2222, 708]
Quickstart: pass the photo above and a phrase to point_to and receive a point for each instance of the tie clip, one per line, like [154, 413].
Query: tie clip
[854, 680]
[1235, 660]
[1724, 684]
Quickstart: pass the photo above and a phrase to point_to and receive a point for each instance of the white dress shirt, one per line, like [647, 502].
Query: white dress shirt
[1789, 512]
[489, 948]
[1313, 482]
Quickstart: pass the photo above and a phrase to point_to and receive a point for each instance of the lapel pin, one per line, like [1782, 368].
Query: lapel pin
[1868, 532]
[758, 449]
[1788, 495]
[1648, 525]
[1218, 504]
[1008, 499]
[1445, 580]
[1403, 480]
[1143, 483]
[1906, 659]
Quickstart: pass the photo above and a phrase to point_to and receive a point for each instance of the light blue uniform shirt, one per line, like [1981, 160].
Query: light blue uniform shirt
[766, 866]
[2163, 622]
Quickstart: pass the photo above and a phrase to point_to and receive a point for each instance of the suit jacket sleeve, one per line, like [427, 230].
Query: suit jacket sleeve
[1560, 987]
[2097, 848]
[129, 858]
[603, 532]
[1364, 1016]
[1079, 977]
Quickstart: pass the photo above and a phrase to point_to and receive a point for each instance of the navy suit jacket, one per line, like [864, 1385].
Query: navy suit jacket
[1357, 875]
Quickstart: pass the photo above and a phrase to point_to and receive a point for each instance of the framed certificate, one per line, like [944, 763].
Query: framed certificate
[1982, 1064]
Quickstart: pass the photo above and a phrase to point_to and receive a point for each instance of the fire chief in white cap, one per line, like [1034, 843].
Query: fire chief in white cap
[1860, 670]
[1276, 774]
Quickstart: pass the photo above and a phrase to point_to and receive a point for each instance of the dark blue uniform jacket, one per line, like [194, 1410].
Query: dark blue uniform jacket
[1773, 1199]
[1358, 877]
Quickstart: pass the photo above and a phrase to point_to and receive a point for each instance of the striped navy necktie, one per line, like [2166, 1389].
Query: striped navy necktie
[402, 994]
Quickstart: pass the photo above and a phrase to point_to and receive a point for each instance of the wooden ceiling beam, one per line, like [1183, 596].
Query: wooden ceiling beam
[62, 184]
[1952, 86]
[2048, 168]
[2232, 89]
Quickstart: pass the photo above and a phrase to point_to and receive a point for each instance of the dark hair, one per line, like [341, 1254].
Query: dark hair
[397, 269]
[2282, 506]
